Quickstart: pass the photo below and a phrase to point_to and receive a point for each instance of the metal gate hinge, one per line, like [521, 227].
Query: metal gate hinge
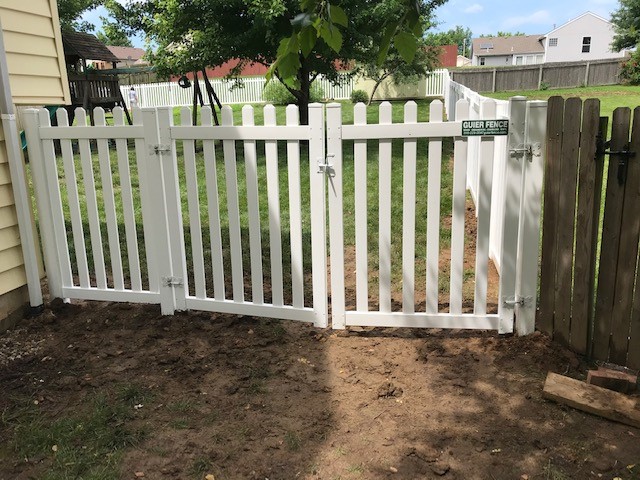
[158, 149]
[172, 282]
[325, 167]
[513, 301]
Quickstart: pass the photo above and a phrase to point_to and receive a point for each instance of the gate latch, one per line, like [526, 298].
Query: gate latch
[172, 282]
[158, 149]
[529, 149]
[513, 301]
[623, 155]
[325, 167]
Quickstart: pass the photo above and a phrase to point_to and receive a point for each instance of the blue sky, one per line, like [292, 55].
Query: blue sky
[489, 16]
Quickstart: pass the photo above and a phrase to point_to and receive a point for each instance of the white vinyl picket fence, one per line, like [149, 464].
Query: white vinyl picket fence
[250, 89]
[174, 219]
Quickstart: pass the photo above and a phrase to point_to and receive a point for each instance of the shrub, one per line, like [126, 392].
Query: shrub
[276, 93]
[544, 86]
[359, 96]
[630, 73]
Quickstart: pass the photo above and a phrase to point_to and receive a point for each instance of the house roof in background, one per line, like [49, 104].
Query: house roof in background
[492, 46]
[86, 46]
[127, 53]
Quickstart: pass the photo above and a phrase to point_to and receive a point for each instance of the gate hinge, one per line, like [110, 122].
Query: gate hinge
[324, 166]
[529, 149]
[159, 148]
[513, 301]
[172, 282]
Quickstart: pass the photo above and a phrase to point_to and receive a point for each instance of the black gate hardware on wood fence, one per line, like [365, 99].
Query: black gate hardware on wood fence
[624, 156]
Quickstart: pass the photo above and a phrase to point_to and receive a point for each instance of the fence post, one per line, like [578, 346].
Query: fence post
[510, 216]
[318, 213]
[159, 222]
[493, 80]
[43, 202]
[336, 232]
[586, 74]
[531, 205]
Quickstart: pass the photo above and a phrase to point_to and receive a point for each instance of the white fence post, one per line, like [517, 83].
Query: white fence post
[43, 201]
[510, 213]
[318, 214]
[336, 231]
[527, 286]
[159, 221]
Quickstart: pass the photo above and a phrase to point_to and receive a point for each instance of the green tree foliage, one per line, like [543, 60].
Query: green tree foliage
[459, 36]
[626, 24]
[113, 34]
[70, 12]
[297, 39]
[503, 34]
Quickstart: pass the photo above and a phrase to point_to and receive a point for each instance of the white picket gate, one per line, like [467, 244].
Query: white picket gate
[146, 183]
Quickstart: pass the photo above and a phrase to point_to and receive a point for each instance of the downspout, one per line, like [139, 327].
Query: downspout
[19, 182]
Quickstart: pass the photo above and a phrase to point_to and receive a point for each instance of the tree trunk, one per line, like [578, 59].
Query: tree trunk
[305, 92]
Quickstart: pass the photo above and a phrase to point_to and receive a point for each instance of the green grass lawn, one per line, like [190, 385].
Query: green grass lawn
[349, 182]
[611, 96]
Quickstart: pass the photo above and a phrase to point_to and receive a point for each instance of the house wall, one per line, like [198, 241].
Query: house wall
[33, 44]
[569, 47]
[37, 76]
[492, 61]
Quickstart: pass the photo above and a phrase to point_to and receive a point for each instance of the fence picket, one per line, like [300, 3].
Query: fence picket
[213, 207]
[146, 201]
[610, 236]
[550, 216]
[409, 213]
[71, 183]
[487, 110]
[92, 203]
[122, 153]
[113, 237]
[433, 210]
[458, 213]
[273, 200]
[295, 211]
[360, 173]
[585, 225]
[235, 239]
[255, 241]
[627, 254]
[384, 212]
[193, 204]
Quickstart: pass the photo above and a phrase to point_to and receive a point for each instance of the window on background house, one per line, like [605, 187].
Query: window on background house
[586, 44]
[539, 58]
[481, 60]
[553, 42]
[519, 60]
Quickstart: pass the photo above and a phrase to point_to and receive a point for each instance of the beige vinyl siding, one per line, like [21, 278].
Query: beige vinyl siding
[12, 273]
[35, 57]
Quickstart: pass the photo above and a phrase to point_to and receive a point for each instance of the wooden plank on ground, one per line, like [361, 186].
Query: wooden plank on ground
[585, 246]
[550, 213]
[566, 215]
[592, 399]
[610, 237]
[627, 253]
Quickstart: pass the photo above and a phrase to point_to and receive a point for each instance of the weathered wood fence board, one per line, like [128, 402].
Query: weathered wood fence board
[604, 324]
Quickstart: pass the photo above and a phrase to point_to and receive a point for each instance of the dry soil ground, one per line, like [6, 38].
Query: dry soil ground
[242, 398]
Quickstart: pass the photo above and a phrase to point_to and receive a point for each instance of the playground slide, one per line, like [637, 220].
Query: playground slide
[52, 113]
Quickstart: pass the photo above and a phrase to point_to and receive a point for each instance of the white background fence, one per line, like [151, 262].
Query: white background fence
[250, 90]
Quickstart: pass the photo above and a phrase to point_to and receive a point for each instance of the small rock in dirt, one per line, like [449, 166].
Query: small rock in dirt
[210, 477]
[48, 317]
[440, 468]
[393, 469]
[388, 389]
[139, 474]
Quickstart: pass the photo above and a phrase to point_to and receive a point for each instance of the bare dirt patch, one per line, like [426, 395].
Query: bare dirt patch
[242, 398]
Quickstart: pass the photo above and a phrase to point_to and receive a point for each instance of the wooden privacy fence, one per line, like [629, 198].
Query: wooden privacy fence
[534, 77]
[589, 288]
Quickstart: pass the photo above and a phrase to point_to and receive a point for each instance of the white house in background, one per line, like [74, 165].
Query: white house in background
[587, 37]
[506, 51]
